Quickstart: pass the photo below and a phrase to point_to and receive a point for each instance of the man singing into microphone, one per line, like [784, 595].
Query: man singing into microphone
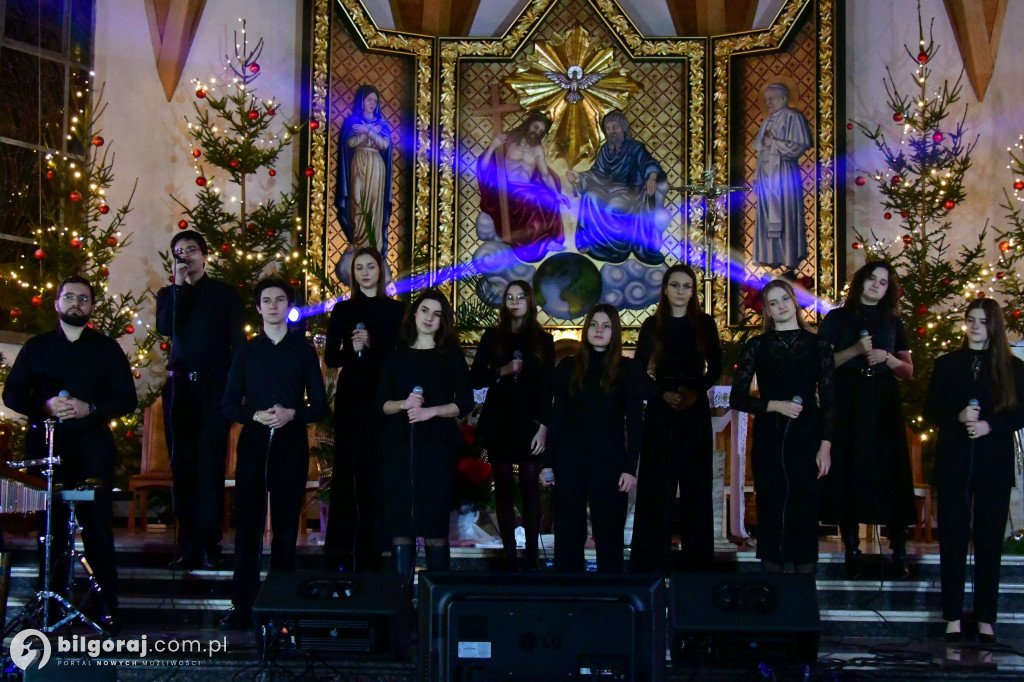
[272, 378]
[82, 379]
[204, 318]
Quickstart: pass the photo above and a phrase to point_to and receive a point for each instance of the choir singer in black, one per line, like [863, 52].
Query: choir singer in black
[976, 399]
[204, 317]
[82, 379]
[274, 389]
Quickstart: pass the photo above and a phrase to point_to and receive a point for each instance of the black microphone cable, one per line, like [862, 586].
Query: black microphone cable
[782, 458]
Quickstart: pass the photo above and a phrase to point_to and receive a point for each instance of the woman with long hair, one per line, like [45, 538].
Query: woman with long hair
[596, 423]
[792, 435]
[424, 390]
[976, 399]
[871, 481]
[515, 362]
[678, 359]
[361, 332]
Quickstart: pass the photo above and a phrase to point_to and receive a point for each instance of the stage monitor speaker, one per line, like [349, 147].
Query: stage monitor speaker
[355, 615]
[744, 618]
[476, 627]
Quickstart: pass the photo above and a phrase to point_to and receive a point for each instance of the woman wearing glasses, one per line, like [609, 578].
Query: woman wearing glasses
[678, 358]
[515, 362]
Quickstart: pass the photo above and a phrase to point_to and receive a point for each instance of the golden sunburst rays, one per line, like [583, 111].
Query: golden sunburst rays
[575, 83]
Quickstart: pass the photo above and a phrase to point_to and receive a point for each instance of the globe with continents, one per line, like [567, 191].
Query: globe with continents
[567, 285]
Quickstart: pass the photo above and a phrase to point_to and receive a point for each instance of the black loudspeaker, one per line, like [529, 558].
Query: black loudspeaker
[356, 615]
[744, 618]
[479, 627]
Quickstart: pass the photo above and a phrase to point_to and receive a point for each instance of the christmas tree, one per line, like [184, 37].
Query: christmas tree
[921, 186]
[231, 133]
[1004, 276]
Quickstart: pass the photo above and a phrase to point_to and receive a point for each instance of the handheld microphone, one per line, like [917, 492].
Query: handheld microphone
[789, 420]
[518, 355]
[417, 390]
[360, 327]
[549, 476]
[63, 394]
[973, 402]
[272, 429]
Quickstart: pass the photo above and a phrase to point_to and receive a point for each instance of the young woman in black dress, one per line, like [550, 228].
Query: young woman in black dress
[594, 446]
[424, 389]
[871, 481]
[678, 358]
[515, 362]
[361, 332]
[792, 435]
[976, 399]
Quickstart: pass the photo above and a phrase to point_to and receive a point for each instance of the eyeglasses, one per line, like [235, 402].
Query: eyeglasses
[72, 298]
[515, 298]
[187, 249]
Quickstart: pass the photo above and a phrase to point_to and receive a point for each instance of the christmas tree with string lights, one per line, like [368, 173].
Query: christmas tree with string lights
[80, 233]
[232, 139]
[921, 187]
[1004, 275]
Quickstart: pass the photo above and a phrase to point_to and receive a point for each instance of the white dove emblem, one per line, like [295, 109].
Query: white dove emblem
[574, 81]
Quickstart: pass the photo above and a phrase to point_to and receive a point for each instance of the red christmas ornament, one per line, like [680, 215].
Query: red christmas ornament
[200, 93]
[234, 163]
[163, 345]
[860, 181]
[855, 245]
[896, 180]
[922, 56]
[130, 435]
[197, 153]
[251, 226]
[90, 325]
[295, 283]
[37, 300]
[903, 214]
[314, 124]
[76, 243]
[39, 254]
[130, 329]
[104, 209]
[254, 68]
[98, 141]
[921, 331]
[1018, 185]
[1000, 275]
[900, 293]
[105, 273]
[271, 111]
[849, 126]
[112, 241]
[310, 172]
[949, 204]
[898, 116]
[182, 224]
[936, 137]
[225, 247]
[50, 175]
[1004, 246]
[241, 285]
[887, 215]
[981, 294]
[1015, 313]
[272, 172]
[75, 196]
[921, 310]
[271, 233]
[201, 181]
[15, 313]
[253, 114]
[907, 239]
[946, 281]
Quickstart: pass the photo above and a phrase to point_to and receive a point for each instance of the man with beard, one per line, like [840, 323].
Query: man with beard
[621, 208]
[533, 193]
[204, 318]
[82, 379]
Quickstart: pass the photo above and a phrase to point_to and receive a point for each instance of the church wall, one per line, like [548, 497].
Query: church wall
[876, 33]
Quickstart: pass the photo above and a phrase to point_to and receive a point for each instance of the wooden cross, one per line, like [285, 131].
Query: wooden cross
[496, 109]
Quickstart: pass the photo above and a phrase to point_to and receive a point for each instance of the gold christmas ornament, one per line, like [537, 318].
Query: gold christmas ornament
[575, 83]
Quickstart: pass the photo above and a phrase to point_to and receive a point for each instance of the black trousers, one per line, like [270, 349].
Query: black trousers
[197, 438]
[83, 456]
[956, 529]
[353, 527]
[574, 487]
[283, 476]
[685, 460]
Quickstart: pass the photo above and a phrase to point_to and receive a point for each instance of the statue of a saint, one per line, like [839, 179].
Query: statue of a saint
[514, 169]
[623, 192]
[780, 234]
[363, 194]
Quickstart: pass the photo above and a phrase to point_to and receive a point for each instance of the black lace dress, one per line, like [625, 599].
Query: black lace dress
[787, 364]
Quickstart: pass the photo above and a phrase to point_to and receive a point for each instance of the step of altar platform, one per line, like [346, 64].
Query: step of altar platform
[872, 606]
